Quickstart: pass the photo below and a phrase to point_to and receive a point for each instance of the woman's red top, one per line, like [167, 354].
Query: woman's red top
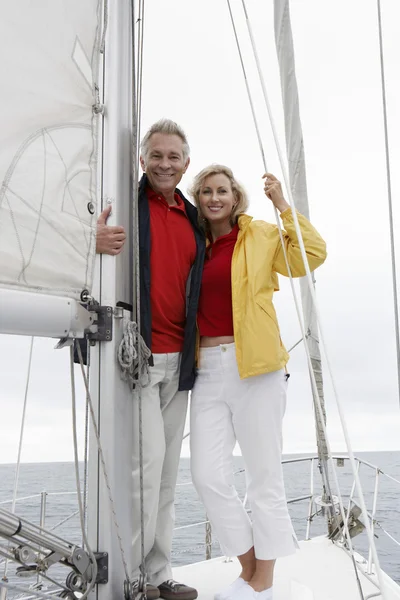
[214, 317]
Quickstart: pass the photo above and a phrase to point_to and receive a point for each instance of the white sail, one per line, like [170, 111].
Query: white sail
[48, 145]
[298, 183]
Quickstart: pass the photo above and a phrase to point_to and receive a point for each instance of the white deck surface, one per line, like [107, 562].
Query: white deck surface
[318, 571]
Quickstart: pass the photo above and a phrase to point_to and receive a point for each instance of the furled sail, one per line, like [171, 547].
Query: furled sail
[298, 182]
[48, 145]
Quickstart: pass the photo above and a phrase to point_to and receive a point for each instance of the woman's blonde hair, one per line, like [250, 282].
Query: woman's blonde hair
[242, 202]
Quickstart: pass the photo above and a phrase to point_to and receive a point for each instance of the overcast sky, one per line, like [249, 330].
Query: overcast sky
[193, 75]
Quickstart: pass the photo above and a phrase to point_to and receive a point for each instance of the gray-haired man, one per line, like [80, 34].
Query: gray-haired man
[171, 261]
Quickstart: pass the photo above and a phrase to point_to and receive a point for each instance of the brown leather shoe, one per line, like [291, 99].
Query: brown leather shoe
[172, 590]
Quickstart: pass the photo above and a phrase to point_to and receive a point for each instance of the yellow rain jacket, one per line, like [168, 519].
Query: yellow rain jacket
[257, 258]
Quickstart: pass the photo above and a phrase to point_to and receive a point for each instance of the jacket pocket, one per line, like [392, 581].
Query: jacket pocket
[269, 310]
[272, 320]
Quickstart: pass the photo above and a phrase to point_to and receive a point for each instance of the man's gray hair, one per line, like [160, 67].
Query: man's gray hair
[167, 127]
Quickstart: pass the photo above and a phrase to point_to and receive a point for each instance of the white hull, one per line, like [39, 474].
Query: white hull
[320, 570]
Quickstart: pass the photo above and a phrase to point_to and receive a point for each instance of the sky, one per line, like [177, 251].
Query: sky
[192, 75]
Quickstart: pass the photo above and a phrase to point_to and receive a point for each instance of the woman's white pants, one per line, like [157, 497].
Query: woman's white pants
[226, 409]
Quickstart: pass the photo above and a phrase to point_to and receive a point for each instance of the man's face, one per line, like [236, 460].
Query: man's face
[164, 163]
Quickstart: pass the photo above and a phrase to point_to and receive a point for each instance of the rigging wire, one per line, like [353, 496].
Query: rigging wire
[316, 306]
[21, 438]
[312, 292]
[77, 478]
[139, 74]
[324, 473]
[137, 108]
[389, 188]
[85, 464]
[313, 296]
[253, 111]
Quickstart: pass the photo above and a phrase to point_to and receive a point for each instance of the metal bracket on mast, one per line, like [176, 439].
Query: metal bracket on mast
[102, 567]
[76, 580]
[104, 324]
[102, 328]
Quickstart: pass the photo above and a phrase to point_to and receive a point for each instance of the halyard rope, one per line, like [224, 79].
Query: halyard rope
[102, 461]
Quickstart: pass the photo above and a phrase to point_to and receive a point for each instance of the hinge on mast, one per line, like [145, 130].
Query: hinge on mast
[102, 567]
[104, 323]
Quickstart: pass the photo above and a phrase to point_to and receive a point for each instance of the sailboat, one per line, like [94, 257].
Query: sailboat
[70, 129]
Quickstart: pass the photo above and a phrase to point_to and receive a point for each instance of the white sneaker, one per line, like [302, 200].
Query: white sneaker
[265, 595]
[230, 590]
[246, 592]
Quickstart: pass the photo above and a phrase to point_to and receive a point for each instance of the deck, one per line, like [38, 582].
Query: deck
[320, 570]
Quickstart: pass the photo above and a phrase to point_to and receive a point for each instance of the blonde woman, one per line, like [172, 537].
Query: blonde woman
[240, 391]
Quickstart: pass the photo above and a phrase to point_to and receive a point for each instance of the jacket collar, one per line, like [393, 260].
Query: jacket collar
[143, 183]
[243, 222]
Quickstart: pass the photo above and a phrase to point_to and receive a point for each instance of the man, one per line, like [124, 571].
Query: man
[171, 261]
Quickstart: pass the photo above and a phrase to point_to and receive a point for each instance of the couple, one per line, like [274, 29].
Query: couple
[207, 281]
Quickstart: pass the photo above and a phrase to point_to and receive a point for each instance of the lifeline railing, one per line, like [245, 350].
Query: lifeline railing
[311, 497]
[313, 509]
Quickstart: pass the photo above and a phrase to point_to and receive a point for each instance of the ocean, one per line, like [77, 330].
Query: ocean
[189, 544]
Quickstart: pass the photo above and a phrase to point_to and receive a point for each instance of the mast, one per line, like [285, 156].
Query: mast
[298, 182]
[110, 394]
[50, 160]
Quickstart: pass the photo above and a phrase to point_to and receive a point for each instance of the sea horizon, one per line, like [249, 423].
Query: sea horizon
[57, 478]
[284, 456]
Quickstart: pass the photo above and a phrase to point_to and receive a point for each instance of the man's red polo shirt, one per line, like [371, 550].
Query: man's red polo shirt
[172, 254]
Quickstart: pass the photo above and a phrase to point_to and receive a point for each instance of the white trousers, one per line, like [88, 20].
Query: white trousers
[225, 409]
[163, 417]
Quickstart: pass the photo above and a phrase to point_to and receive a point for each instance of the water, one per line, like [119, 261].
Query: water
[189, 544]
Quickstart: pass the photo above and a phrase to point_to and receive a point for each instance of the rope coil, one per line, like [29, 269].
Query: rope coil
[131, 346]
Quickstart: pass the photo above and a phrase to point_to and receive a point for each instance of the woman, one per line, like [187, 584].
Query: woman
[240, 391]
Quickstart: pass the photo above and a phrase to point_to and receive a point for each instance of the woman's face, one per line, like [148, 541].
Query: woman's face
[217, 199]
